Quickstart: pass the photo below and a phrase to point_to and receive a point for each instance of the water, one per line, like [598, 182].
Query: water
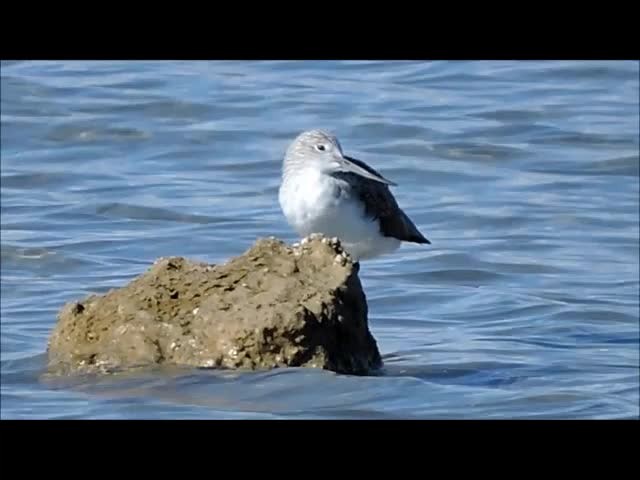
[524, 175]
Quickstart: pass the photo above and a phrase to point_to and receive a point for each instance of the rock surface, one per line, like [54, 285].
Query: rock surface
[274, 306]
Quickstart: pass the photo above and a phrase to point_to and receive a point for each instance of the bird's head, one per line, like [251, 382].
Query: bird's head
[320, 150]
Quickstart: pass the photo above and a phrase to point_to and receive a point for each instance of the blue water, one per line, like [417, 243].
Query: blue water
[524, 175]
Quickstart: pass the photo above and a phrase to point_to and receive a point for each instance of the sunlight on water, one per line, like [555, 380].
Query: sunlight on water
[524, 175]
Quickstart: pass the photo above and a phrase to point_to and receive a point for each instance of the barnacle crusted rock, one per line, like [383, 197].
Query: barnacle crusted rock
[274, 306]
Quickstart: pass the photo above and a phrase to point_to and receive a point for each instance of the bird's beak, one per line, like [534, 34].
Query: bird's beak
[348, 164]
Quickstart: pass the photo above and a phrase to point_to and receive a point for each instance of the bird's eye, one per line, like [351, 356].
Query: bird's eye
[322, 148]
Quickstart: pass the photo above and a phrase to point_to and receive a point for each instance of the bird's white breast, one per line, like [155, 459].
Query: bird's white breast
[313, 202]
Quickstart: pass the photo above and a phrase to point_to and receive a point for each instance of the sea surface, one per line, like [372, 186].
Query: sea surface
[524, 176]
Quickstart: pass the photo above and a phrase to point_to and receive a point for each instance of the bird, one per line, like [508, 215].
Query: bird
[323, 191]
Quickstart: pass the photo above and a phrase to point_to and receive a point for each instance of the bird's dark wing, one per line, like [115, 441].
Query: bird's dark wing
[381, 205]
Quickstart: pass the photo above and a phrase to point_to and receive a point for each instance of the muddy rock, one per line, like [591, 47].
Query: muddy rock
[274, 306]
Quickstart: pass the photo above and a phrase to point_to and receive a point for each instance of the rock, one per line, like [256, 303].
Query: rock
[274, 306]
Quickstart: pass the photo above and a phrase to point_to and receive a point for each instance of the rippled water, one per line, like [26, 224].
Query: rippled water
[524, 175]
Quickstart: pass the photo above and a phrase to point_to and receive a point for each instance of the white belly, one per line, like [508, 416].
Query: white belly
[310, 205]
